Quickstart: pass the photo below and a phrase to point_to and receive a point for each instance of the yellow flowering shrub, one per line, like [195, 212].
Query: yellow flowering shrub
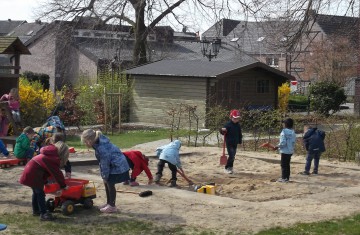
[36, 104]
[283, 96]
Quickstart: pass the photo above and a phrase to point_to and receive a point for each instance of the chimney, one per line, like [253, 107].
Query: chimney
[184, 29]
[9, 20]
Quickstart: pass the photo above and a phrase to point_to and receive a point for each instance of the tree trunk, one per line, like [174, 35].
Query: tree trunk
[139, 53]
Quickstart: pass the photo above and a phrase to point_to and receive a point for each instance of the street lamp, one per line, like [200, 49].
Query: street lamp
[213, 50]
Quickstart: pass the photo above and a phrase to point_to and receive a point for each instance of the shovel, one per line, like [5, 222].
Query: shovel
[141, 194]
[223, 158]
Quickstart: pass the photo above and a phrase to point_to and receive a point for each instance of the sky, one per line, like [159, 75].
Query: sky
[24, 10]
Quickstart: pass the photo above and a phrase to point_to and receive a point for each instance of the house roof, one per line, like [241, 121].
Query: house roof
[12, 45]
[339, 26]
[177, 50]
[197, 68]
[26, 31]
[6, 26]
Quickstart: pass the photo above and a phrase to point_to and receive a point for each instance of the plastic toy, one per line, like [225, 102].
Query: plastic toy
[79, 192]
[6, 163]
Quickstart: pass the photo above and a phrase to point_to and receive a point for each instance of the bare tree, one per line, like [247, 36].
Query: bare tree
[144, 15]
[332, 60]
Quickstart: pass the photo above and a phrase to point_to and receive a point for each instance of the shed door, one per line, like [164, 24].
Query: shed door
[228, 93]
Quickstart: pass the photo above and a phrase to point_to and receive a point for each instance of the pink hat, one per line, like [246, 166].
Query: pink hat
[234, 113]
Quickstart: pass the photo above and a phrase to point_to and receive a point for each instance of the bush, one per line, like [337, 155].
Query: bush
[298, 102]
[326, 96]
[36, 103]
[38, 77]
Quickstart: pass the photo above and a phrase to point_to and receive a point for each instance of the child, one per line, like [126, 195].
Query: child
[138, 162]
[233, 137]
[39, 169]
[286, 148]
[169, 154]
[4, 123]
[14, 104]
[53, 140]
[112, 162]
[3, 149]
[314, 145]
[22, 147]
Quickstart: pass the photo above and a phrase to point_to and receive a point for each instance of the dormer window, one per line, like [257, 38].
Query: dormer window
[272, 62]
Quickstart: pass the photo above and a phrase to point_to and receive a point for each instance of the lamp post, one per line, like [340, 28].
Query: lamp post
[213, 50]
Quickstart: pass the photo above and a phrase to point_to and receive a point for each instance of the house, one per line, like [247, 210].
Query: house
[243, 84]
[270, 41]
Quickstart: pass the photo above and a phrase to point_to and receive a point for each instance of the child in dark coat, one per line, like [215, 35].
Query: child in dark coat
[138, 162]
[114, 167]
[37, 172]
[233, 137]
[314, 145]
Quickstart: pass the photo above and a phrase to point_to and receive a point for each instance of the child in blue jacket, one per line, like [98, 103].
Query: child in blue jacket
[286, 148]
[169, 154]
[114, 167]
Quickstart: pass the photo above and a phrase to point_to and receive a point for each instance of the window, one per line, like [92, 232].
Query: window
[263, 86]
[273, 62]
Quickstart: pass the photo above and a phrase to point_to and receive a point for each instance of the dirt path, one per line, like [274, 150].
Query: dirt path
[247, 201]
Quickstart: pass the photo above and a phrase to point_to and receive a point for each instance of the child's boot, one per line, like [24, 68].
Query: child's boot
[173, 183]
[157, 178]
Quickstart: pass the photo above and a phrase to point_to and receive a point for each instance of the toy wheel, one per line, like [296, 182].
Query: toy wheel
[67, 207]
[8, 165]
[22, 163]
[2, 166]
[50, 204]
[88, 203]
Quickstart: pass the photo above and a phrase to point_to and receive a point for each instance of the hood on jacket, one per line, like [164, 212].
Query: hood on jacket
[49, 150]
[103, 139]
[288, 132]
[309, 132]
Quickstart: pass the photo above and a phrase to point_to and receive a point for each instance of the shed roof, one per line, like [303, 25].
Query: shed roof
[200, 68]
[12, 45]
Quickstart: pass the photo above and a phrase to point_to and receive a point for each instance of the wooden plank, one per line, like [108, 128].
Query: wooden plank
[9, 139]
[6, 75]
[9, 67]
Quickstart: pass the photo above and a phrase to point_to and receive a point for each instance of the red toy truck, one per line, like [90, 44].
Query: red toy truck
[6, 163]
[79, 192]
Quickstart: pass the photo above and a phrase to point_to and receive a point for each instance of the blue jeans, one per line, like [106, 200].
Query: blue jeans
[3, 149]
[231, 149]
[38, 201]
[29, 153]
[309, 158]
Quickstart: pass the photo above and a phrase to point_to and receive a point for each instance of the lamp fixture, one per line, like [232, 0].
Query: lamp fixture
[214, 47]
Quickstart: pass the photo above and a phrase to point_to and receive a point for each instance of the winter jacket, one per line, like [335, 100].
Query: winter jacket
[233, 133]
[111, 159]
[287, 141]
[22, 145]
[314, 140]
[140, 163]
[41, 167]
[170, 153]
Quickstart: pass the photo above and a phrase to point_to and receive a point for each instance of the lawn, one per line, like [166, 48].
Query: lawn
[125, 139]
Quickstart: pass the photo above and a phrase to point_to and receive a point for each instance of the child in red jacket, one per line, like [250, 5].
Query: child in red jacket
[138, 162]
[37, 172]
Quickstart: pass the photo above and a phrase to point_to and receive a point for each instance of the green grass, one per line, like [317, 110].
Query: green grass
[87, 222]
[346, 226]
[126, 139]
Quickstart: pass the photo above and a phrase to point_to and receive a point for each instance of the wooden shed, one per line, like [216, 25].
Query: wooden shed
[10, 50]
[160, 85]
